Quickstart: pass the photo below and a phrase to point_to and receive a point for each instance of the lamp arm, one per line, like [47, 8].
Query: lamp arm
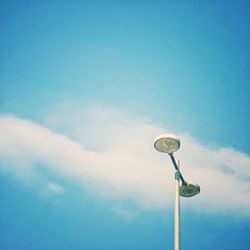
[177, 169]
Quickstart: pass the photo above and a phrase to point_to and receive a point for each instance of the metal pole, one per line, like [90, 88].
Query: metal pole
[177, 241]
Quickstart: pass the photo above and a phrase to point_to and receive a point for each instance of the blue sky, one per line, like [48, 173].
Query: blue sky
[85, 86]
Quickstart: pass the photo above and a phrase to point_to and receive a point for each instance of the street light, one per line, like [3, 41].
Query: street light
[169, 144]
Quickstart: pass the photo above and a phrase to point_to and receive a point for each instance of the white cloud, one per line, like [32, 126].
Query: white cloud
[55, 188]
[113, 155]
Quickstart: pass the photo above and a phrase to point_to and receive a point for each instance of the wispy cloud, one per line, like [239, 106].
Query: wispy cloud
[103, 149]
[55, 188]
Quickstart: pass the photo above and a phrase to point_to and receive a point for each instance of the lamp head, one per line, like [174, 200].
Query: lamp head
[189, 189]
[167, 143]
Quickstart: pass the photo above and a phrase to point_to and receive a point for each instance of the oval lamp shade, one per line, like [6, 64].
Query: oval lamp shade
[189, 189]
[167, 143]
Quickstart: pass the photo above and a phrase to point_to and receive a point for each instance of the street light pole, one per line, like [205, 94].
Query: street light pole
[169, 144]
[177, 231]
